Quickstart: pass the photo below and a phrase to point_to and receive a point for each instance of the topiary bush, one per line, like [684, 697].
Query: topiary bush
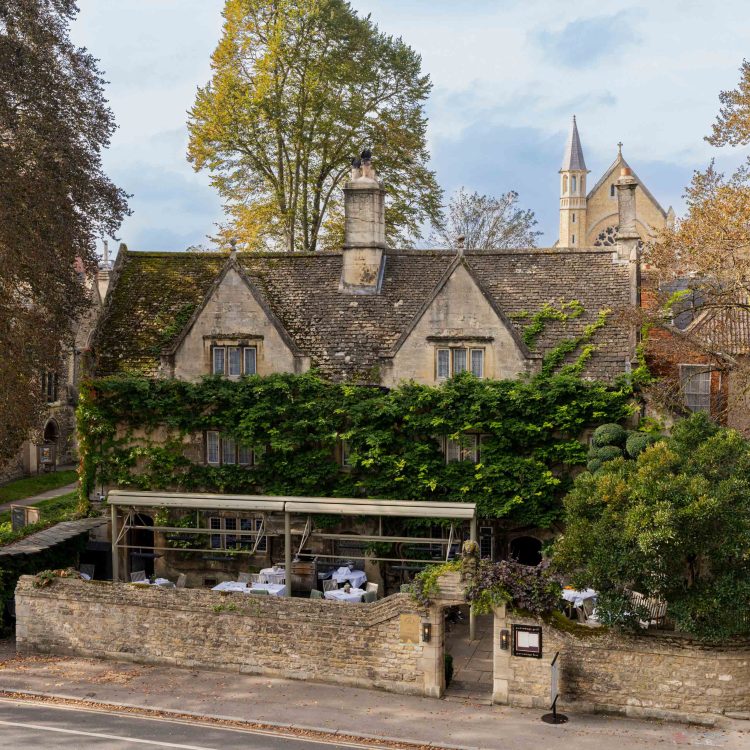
[609, 434]
[605, 453]
[594, 465]
[637, 442]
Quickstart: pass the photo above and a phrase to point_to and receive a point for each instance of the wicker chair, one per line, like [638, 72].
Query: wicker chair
[372, 587]
[244, 578]
[138, 576]
[370, 597]
[181, 581]
[315, 594]
[330, 585]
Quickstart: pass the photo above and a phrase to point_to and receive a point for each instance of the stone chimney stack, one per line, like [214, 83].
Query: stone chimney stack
[364, 229]
[627, 233]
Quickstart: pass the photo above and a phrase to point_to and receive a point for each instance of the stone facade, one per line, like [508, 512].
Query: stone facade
[654, 674]
[365, 645]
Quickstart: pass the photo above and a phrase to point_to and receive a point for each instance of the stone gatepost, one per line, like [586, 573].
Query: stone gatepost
[433, 654]
[502, 671]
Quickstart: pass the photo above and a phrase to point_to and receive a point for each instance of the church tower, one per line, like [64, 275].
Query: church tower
[573, 193]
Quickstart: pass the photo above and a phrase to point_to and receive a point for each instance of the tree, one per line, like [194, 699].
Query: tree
[486, 222]
[702, 263]
[299, 87]
[674, 523]
[55, 200]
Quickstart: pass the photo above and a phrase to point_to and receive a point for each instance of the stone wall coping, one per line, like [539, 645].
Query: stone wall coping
[188, 600]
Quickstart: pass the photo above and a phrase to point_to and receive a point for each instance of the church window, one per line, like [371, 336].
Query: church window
[565, 183]
[49, 387]
[583, 183]
[573, 240]
[574, 218]
[612, 190]
[573, 184]
[695, 382]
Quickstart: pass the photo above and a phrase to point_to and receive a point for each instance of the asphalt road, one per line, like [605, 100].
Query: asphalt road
[29, 725]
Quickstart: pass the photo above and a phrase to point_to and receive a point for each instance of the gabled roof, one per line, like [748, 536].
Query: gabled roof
[723, 330]
[615, 168]
[154, 296]
[573, 157]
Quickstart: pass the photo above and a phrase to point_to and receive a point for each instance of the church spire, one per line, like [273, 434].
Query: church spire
[573, 159]
[573, 202]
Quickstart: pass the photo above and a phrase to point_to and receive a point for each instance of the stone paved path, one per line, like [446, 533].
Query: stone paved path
[472, 660]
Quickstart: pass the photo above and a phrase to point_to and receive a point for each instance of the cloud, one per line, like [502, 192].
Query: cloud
[587, 40]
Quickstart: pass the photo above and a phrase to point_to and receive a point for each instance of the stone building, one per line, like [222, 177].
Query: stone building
[54, 442]
[367, 314]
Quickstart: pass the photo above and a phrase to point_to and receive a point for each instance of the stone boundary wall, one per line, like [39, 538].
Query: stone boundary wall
[656, 674]
[365, 645]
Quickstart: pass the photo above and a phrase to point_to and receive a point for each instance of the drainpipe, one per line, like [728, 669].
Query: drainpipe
[288, 551]
[472, 619]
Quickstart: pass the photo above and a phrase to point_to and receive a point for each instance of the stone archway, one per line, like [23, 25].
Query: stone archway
[527, 550]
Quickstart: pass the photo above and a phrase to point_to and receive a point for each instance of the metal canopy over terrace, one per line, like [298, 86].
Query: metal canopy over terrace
[269, 505]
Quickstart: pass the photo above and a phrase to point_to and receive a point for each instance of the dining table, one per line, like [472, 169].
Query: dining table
[340, 595]
[344, 574]
[239, 587]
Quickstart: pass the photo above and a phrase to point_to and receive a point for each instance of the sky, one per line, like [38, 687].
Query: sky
[507, 75]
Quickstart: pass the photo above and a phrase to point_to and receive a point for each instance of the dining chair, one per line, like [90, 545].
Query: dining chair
[315, 594]
[330, 585]
[181, 581]
[138, 576]
[370, 597]
[257, 578]
[245, 577]
[372, 587]
[87, 570]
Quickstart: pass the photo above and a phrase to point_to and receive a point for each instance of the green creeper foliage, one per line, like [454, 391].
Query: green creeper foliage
[605, 453]
[609, 434]
[296, 422]
[674, 524]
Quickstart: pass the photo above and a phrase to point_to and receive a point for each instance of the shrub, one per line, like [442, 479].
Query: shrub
[594, 465]
[605, 453]
[637, 442]
[609, 434]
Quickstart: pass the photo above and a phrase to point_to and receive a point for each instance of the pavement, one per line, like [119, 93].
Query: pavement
[329, 708]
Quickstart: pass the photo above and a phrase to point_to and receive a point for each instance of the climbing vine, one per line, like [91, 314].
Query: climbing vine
[147, 434]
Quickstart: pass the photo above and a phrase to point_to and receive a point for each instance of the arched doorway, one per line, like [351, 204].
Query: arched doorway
[48, 449]
[526, 549]
[141, 543]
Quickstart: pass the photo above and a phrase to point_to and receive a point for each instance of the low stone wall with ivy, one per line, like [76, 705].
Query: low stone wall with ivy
[653, 674]
[366, 645]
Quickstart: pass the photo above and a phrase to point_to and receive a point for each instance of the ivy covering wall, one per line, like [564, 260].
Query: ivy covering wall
[133, 432]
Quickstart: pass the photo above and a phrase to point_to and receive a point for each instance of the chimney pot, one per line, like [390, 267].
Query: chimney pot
[626, 172]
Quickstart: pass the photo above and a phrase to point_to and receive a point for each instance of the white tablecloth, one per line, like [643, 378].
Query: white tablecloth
[354, 595]
[273, 575]
[355, 577]
[273, 589]
[578, 597]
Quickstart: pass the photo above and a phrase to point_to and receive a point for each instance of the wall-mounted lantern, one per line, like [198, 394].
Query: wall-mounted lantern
[505, 639]
[426, 632]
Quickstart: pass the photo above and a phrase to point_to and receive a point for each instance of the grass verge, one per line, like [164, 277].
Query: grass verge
[52, 511]
[30, 486]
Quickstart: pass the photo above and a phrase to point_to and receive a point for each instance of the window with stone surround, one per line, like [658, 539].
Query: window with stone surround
[450, 361]
[223, 450]
[468, 448]
[234, 361]
[246, 531]
[695, 384]
[49, 387]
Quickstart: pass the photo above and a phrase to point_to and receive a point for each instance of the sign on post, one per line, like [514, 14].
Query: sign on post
[21, 516]
[554, 682]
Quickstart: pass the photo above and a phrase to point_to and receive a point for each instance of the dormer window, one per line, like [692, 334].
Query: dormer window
[234, 361]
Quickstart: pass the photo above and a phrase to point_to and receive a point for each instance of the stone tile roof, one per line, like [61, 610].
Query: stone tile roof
[51, 537]
[153, 295]
[723, 330]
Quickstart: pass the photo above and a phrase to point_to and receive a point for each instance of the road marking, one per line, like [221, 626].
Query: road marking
[99, 735]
